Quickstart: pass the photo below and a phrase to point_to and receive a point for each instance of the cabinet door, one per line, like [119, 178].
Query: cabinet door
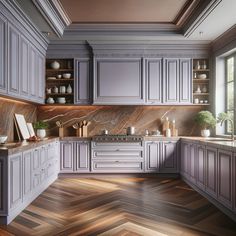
[40, 79]
[43, 163]
[82, 157]
[191, 163]
[33, 67]
[36, 168]
[185, 81]
[24, 67]
[3, 46]
[211, 171]
[67, 156]
[15, 180]
[169, 159]
[200, 166]
[184, 159]
[27, 173]
[152, 157]
[13, 60]
[82, 81]
[118, 81]
[225, 178]
[234, 182]
[171, 81]
[153, 68]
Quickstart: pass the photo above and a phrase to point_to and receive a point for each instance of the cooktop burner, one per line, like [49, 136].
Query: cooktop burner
[117, 138]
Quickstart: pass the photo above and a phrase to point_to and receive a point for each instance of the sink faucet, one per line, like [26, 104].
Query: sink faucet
[232, 126]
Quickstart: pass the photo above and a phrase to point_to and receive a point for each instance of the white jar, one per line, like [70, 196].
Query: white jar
[55, 65]
[196, 100]
[62, 89]
[41, 133]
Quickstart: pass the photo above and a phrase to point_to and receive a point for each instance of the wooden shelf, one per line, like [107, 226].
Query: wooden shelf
[201, 70]
[56, 80]
[59, 94]
[59, 70]
[59, 104]
[201, 104]
[201, 80]
[200, 94]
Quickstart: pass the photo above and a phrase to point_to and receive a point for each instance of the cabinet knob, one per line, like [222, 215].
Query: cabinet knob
[42, 169]
[36, 175]
[117, 150]
[117, 161]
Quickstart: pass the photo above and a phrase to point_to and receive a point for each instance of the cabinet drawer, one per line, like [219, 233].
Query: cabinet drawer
[117, 166]
[121, 154]
[115, 145]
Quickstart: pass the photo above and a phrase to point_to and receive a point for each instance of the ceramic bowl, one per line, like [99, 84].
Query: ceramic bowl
[3, 138]
[202, 76]
[61, 100]
[66, 75]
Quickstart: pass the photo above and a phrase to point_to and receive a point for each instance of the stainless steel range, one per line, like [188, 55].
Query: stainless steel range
[117, 138]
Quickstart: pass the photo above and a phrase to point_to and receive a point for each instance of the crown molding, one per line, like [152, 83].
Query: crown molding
[54, 14]
[203, 10]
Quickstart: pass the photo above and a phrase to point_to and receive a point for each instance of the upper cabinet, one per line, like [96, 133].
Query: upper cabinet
[154, 73]
[3, 37]
[22, 56]
[177, 81]
[83, 85]
[118, 81]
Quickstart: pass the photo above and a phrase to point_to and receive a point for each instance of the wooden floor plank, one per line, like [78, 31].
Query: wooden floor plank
[120, 206]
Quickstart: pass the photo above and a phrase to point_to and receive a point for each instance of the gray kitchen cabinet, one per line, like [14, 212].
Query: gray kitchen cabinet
[67, 157]
[24, 67]
[117, 157]
[27, 173]
[185, 81]
[154, 81]
[13, 60]
[225, 165]
[40, 78]
[234, 183]
[82, 81]
[200, 166]
[82, 156]
[169, 162]
[3, 42]
[15, 180]
[177, 81]
[184, 159]
[35, 168]
[152, 156]
[33, 73]
[211, 171]
[118, 81]
[191, 164]
[171, 81]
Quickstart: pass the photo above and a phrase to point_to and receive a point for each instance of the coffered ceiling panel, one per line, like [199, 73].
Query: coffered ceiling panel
[124, 11]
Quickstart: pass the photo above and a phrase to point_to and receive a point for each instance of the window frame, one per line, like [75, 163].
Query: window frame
[233, 55]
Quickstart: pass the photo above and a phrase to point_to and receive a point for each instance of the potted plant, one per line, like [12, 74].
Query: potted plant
[41, 127]
[205, 120]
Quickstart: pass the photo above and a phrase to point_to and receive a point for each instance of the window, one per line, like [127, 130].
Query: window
[230, 90]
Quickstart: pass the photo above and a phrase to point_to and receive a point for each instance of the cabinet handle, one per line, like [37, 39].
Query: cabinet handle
[117, 150]
[42, 169]
[117, 161]
[36, 175]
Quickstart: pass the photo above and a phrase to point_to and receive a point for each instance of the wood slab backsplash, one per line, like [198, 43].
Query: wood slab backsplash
[116, 118]
[7, 110]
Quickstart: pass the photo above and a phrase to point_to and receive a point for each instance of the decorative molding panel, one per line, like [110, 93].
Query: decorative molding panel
[54, 14]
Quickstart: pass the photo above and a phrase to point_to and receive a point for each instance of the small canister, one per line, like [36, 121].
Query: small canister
[168, 133]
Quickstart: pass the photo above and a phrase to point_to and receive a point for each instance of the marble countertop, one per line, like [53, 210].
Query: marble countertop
[15, 147]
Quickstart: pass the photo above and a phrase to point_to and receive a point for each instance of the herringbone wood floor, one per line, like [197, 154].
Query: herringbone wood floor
[120, 206]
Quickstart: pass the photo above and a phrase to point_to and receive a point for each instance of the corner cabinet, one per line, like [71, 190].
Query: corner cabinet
[118, 81]
[83, 85]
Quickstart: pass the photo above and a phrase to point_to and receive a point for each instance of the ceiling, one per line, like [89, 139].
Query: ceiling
[124, 11]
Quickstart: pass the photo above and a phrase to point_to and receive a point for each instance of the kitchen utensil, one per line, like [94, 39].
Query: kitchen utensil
[105, 132]
[78, 129]
[59, 124]
[55, 65]
[130, 130]
[3, 139]
[66, 75]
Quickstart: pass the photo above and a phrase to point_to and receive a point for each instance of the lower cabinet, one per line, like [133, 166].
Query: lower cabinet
[113, 157]
[75, 156]
[24, 176]
[213, 173]
[161, 157]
